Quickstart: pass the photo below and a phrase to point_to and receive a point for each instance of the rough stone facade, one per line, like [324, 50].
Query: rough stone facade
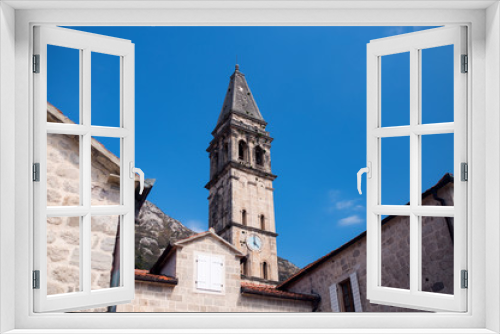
[63, 188]
[185, 297]
[437, 275]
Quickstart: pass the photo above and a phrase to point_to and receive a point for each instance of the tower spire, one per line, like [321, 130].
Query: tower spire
[239, 99]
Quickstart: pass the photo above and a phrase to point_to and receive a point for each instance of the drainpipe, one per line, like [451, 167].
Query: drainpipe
[115, 268]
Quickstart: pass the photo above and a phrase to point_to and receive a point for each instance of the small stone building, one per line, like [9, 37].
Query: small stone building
[339, 277]
[202, 274]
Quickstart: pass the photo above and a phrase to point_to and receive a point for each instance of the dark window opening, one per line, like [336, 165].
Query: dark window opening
[264, 270]
[244, 267]
[244, 217]
[347, 296]
[242, 150]
[262, 222]
[259, 156]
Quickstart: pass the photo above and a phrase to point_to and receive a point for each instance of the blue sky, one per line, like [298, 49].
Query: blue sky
[310, 86]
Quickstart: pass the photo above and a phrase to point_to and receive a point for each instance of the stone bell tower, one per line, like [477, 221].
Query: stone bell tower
[241, 205]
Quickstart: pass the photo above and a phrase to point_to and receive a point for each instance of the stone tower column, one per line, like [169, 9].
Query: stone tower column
[244, 187]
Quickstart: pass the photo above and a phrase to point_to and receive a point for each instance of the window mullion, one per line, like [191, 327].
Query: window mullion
[415, 168]
[86, 168]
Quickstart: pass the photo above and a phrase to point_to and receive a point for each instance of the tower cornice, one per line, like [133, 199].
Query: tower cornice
[242, 167]
[234, 124]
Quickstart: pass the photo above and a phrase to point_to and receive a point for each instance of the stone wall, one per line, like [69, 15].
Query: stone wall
[63, 189]
[184, 297]
[437, 260]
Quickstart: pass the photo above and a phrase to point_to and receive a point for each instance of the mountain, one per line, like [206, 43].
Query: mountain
[154, 230]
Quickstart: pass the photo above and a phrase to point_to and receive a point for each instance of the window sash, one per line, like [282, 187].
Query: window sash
[412, 43]
[86, 43]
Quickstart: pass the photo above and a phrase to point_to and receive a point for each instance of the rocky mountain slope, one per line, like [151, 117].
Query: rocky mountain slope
[154, 230]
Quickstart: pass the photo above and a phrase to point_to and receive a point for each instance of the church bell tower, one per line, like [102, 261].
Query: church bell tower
[241, 205]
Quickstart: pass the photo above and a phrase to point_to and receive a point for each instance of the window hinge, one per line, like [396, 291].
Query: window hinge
[36, 172]
[36, 279]
[465, 279]
[464, 171]
[465, 64]
[36, 63]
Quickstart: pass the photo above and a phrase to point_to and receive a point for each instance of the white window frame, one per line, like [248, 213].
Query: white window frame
[85, 43]
[483, 20]
[414, 43]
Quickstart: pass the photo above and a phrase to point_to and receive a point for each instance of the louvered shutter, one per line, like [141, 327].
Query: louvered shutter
[355, 292]
[334, 300]
[216, 274]
[203, 272]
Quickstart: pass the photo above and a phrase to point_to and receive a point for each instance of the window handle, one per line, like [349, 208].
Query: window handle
[368, 171]
[139, 171]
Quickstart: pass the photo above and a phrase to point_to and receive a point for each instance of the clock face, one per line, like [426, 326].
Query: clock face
[254, 242]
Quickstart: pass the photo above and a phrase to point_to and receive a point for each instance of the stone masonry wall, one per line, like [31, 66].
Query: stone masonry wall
[437, 260]
[63, 188]
[184, 297]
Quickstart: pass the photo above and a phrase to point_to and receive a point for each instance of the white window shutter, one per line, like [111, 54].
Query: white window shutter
[355, 292]
[203, 272]
[216, 273]
[334, 300]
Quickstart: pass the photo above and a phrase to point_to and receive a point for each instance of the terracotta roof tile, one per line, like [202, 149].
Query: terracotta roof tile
[144, 275]
[270, 291]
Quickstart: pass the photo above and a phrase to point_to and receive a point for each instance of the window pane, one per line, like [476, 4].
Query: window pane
[395, 170]
[63, 255]
[395, 254]
[437, 84]
[395, 89]
[105, 90]
[437, 254]
[63, 82]
[437, 169]
[63, 170]
[105, 171]
[105, 259]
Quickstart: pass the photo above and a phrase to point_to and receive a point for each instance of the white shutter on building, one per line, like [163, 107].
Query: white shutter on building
[334, 300]
[216, 273]
[355, 292]
[203, 272]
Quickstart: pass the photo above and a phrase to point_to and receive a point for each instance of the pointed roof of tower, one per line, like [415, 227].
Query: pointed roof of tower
[239, 98]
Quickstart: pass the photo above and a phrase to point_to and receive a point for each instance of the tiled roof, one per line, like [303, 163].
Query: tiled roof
[144, 275]
[447, 178]
[270, 291]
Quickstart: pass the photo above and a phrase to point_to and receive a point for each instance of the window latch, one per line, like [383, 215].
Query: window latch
[139, 171]
[368, 171]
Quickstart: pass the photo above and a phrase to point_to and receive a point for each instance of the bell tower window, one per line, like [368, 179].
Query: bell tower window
[242, 150]
[264, 270]
[262, 220]
[259, 156]
[244, 218]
